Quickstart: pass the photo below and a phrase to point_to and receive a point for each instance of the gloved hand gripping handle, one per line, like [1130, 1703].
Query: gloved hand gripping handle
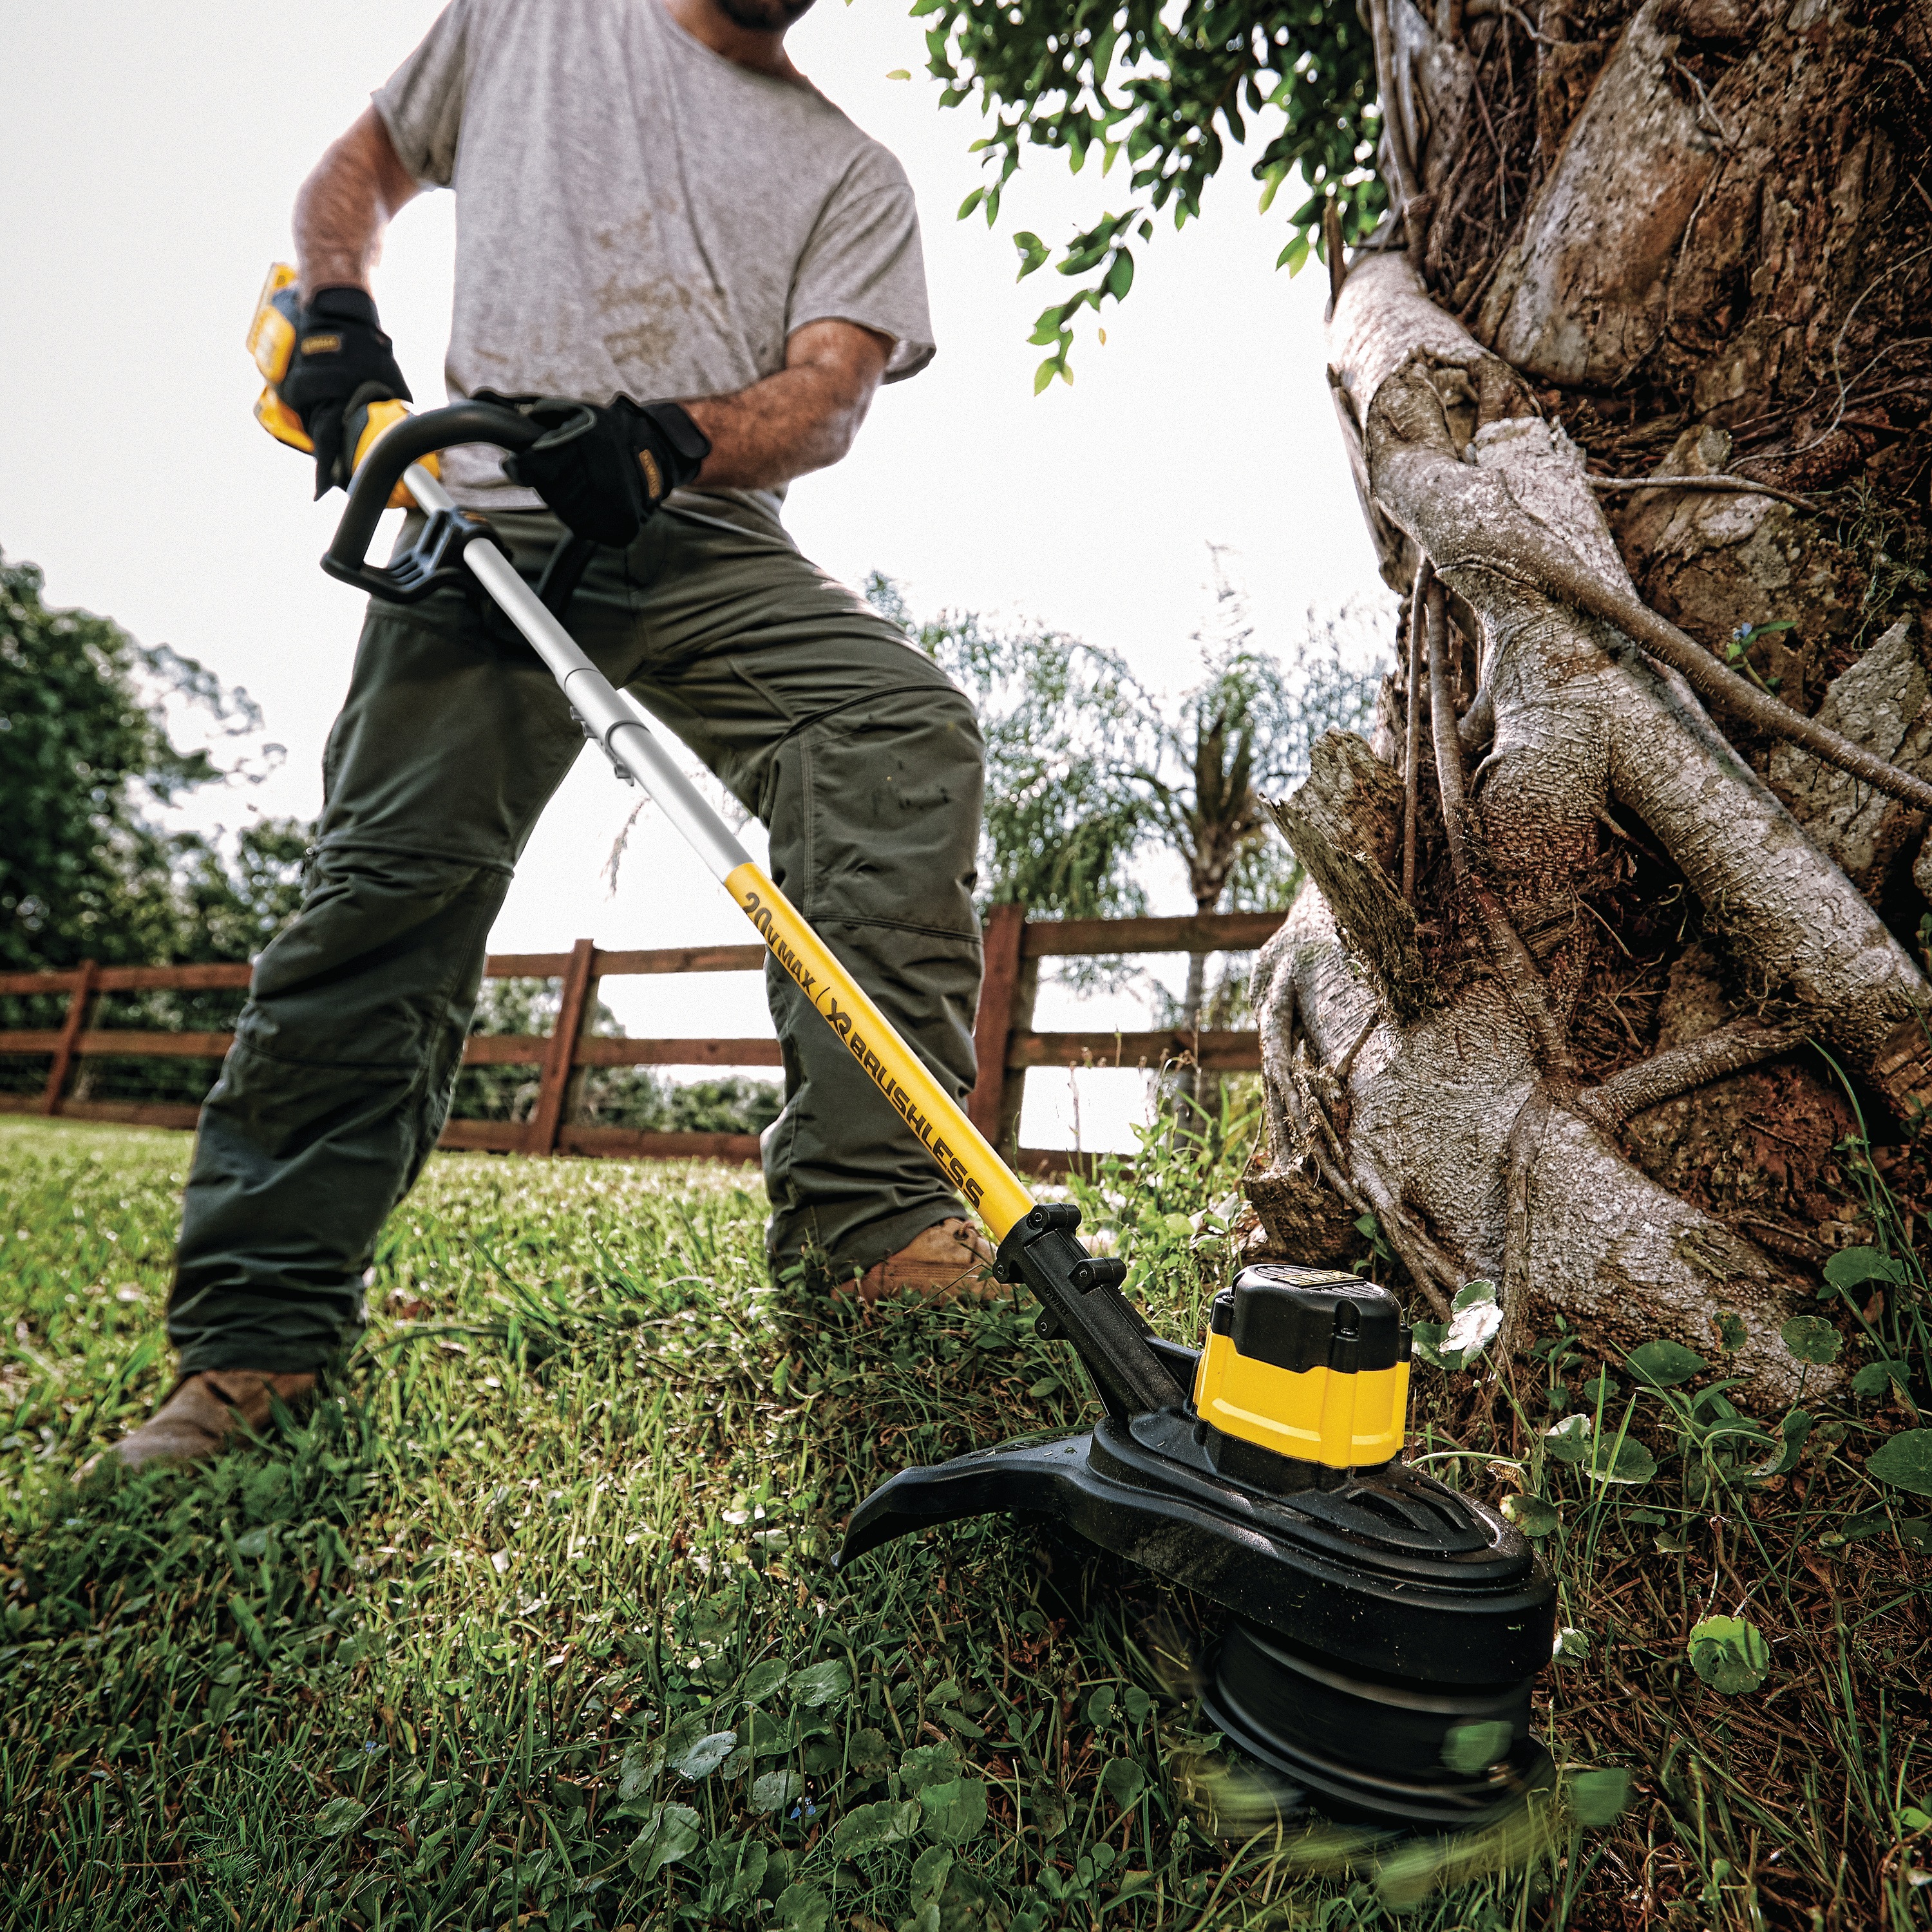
[434, 561]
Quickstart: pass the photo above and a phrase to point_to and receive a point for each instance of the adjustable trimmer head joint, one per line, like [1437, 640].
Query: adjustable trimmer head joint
[1376, 1616]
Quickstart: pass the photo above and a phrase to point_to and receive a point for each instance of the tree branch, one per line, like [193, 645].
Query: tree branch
[1554, 573]
[1412, 741]
[1676, 1071]
[1506, 947]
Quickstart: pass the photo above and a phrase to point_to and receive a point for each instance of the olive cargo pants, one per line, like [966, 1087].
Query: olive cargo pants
[863, 761]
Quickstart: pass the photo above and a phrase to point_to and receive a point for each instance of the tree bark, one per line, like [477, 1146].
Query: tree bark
[1688, 853]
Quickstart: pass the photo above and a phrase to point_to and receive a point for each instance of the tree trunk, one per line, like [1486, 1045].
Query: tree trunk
[1691, 240]
[1187, 1078]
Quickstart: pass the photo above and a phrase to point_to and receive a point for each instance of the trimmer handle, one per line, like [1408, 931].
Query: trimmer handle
[434, 562]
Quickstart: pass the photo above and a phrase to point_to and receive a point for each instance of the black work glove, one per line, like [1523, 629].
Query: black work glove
[343, 362]
[604, 469]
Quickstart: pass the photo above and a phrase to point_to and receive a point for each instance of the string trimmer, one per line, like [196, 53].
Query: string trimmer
[1378, 1621]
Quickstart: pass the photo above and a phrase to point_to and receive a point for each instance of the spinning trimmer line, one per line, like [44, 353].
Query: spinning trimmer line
[1377, 1621]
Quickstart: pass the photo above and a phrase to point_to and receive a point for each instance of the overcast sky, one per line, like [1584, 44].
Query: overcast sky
[149, 158]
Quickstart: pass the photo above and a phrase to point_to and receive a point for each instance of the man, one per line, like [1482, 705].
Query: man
[654, 204]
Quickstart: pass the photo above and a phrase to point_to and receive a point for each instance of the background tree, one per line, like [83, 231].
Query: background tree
[87, 870]
[1060, 832]
[1633, 376]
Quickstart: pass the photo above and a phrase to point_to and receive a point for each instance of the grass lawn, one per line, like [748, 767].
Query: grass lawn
[533, 1623]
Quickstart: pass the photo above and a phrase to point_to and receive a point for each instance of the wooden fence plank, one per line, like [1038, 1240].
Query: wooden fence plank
[597, 1051]
[80, 1004]
[686, 959]
[1218, 932]
[634, 1144]
[1226, 1052]
[132, 1113]
[578, 1004]
[485, 1136]
[32, 985]
[179, 978]
[658, 959]
[1005, 928]
[506, 1049]
[45, 1041]
[127, 1040]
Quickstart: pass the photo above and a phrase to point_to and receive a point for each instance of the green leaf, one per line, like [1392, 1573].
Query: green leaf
[1911, 1821]
[820, 1685]
[1033, 253]
[1811, 1339]
[1664, 1364]
[1729, 1654]
[867, 1754]
[928, 1764]
[1471, 1749]
[673, 1833]
[1532, 1514]
[1852, 1267]
[765, 1677]
[801, 1908]
[899, 73]
[1731, 1332]
[1470, 1294]
[1628, 1461]
[1100, 1704]
[776, 1790]
[866, 1828]
[1596, 1797]
[930, 1871]
[1123, 1781]
[639, 1767]
[1873, 1380]
[701, 1759]
[1905, 1462]
[1916, 1533]
[1136, 1703]
[1294, 257]
[1045, 374]
[1426, 1339]
[341, 1815]
[1572, 1646]
[955, 1812]
[971, 202]
[1568, 1440]
[1794, 1430]
[1120, 275]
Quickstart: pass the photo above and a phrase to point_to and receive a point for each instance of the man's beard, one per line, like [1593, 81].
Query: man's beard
[763, 17]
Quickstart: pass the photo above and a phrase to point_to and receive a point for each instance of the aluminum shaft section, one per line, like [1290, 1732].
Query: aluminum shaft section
[961, 1153]
[611, 719]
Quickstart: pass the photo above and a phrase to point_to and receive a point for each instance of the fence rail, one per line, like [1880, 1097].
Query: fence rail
[1007, 1045]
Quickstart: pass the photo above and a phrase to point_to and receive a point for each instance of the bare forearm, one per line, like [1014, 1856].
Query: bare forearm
[804, 417]
[796, 421]
[344, 206]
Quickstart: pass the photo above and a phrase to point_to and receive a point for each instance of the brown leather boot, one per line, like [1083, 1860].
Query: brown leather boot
[202, 1412]
[947, 1261]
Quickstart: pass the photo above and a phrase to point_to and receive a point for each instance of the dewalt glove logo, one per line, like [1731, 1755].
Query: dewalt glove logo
[321, 345]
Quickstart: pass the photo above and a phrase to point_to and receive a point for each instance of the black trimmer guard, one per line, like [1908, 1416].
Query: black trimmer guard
[1381, 1627]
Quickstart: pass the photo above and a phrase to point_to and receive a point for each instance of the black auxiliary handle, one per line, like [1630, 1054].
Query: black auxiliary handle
[434, 562]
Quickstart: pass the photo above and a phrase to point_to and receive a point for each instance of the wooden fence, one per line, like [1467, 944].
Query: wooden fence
[1003, 1035]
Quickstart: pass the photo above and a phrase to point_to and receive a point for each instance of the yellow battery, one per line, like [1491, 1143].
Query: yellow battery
[1308, 1363]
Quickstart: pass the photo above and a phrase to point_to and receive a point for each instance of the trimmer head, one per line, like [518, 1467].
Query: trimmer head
[1385, 1631]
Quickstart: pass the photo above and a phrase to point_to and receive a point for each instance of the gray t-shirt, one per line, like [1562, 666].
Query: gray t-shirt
[636, 214]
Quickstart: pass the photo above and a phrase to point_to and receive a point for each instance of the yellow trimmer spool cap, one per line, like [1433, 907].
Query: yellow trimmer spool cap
[1311, 1364]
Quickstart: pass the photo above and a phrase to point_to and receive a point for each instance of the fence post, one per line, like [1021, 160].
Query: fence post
[79, 1009]
[1002, 942]
[553, 1094]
